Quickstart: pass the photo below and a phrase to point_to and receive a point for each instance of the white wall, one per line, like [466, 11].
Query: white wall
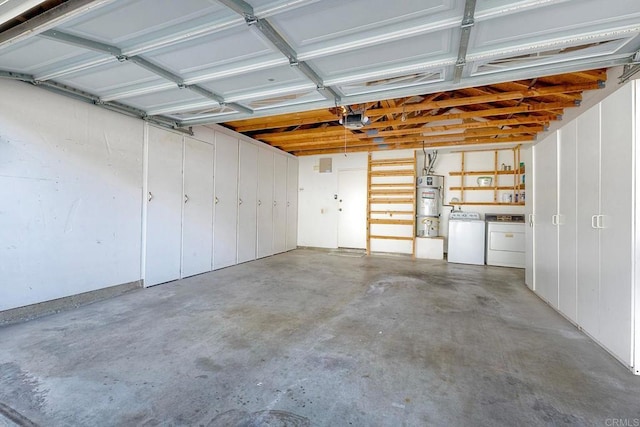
[318, 211]
[317, 207]
[70, 196]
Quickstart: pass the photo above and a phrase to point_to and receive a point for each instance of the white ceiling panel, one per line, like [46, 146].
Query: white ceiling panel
[563, 20]
[134, 19]
[264, 80]
[590, 48]
[276, 101]
[139, 51]
[113, 77]
[389, 83]
[172, 98]
[35, 55]
[423, 48]
[205, 54]
[355, 24]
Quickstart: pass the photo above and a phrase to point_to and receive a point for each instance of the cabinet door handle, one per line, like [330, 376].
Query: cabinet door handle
[259, 202]
[216, 200]
[530, 220]
[288, 204]
[599, 220]
[150, 196]
[275, 203]
[186, 198]
[554, 219]
[239, 201]
[594, 221]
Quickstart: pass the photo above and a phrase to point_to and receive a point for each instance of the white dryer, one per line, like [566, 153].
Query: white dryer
[466, 238]
[506, 240]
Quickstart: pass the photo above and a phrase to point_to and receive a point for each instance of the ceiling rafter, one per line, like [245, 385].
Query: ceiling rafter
[422, 131]
[490, 132]
[414, 145]
[339, 130]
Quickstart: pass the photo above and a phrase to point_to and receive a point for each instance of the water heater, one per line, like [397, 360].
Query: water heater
[429, 205]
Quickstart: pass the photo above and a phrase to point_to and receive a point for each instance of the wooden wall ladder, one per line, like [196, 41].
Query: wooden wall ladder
[391, 200]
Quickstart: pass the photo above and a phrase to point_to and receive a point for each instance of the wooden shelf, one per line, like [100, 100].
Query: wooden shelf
[506, 187]
[487, 203]
[488, 173]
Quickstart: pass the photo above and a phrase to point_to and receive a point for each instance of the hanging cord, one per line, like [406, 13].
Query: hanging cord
[345, 142]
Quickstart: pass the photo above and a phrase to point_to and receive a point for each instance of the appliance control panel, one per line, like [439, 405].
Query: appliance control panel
[464, 215]
[504, 218]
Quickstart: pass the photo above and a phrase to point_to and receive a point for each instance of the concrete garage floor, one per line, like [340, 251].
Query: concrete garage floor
[312, 338]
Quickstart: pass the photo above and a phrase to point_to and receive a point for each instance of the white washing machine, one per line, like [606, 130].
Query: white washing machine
[466, 238]
[506, 240]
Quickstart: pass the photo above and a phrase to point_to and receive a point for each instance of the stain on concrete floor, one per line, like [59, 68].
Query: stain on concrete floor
[301, 339]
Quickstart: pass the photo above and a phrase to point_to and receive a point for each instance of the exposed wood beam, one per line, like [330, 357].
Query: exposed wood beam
[437, 128]
[387, 147]
[339, 130]
[327, 116]
[287, 120]
[493, 130]
[337, 143]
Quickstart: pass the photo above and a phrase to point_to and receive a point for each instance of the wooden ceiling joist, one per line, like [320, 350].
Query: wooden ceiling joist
[498, 113]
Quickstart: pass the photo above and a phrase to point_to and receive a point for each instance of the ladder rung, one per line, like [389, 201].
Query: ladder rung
[391, 192]
[391, 221]
[390, 237]
[391, 212]
[385, 200]
[394, 172]
[411, 185]
[390, 162]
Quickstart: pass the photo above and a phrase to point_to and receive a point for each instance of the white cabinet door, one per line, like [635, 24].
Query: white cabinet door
[588, 236]
[164, 207]
[616, 234]
[247, 201]
[292, 203]
[528, 233]
[265, 203]
[279, 203]
[545, 214]
[567, 199]
[226, 201]
[197, 223]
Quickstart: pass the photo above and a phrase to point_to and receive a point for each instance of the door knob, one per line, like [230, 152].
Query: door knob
[150, 197]
[216, 200]
[340, 209]
[239, 201]
[186, 198]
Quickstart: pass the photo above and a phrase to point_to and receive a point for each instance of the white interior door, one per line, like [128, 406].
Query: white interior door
[279, 203]
[197, 223]
[292, 203]
[164, 207]
[265, 203]
[225, 221]
[352, 208]
[567, 199]
[588, 236]
[247, 201]
[616, 235]
[545, 213]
